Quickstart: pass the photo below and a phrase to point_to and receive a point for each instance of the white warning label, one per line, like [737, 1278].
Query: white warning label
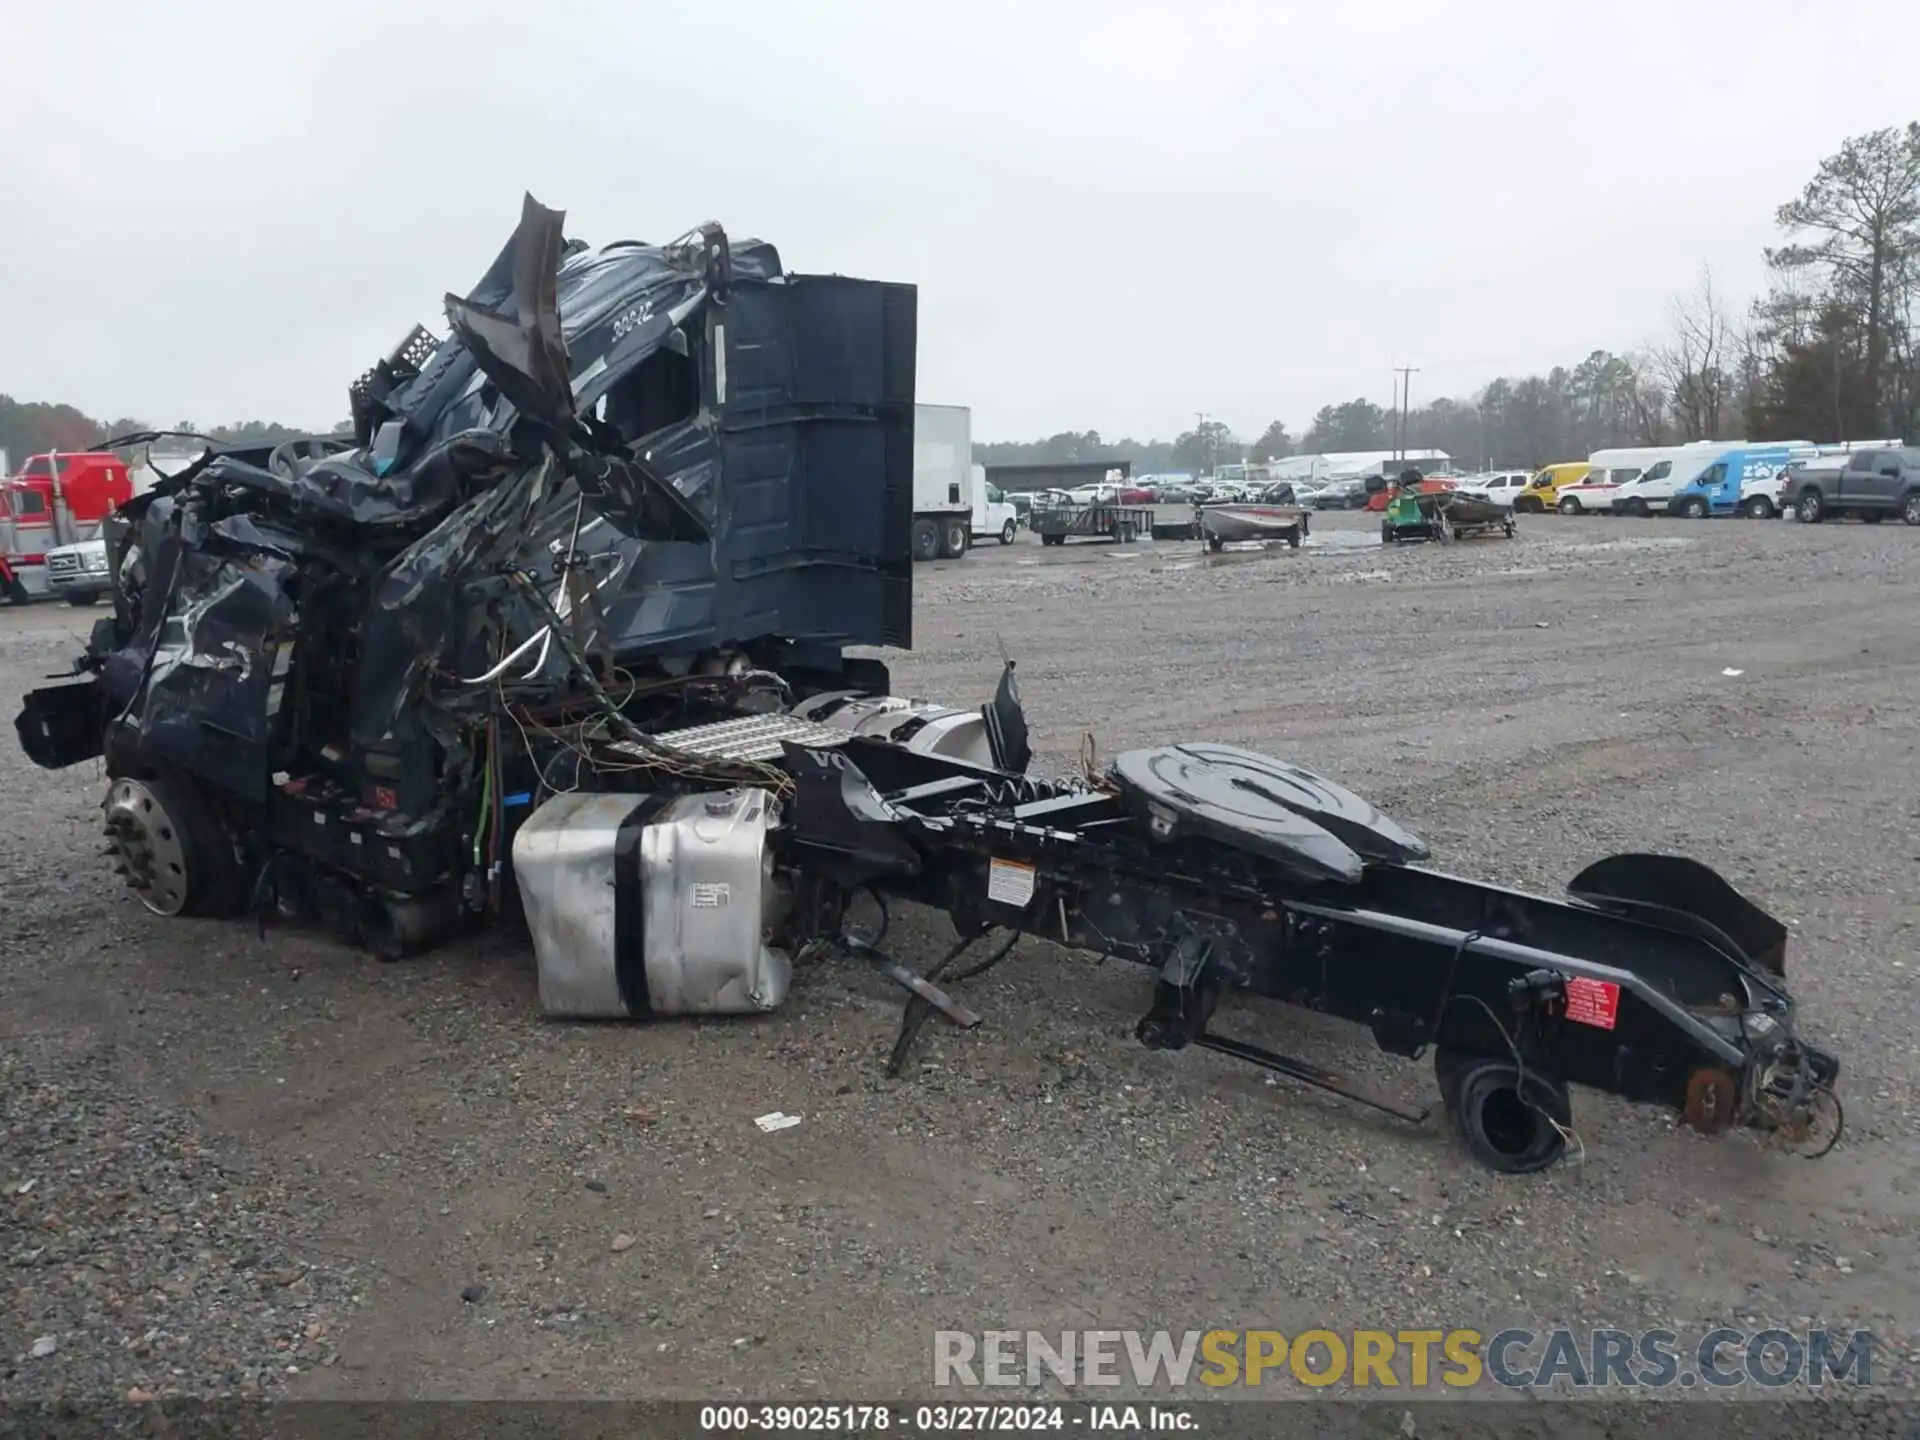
[1010, 883]
[710, 895]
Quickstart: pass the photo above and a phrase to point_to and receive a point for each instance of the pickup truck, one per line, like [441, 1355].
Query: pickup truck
[1873, 485]
[78, 573]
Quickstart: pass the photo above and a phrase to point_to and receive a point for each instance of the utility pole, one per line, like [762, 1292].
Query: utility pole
[1406, 374]
[1200, 429]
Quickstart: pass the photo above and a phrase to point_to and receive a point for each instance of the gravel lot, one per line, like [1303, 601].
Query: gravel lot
[232, 1164]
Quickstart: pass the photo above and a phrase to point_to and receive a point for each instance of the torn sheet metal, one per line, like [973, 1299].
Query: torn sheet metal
[738, 446]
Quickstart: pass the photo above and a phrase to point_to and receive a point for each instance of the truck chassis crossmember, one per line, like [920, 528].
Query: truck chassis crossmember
[1225, 871]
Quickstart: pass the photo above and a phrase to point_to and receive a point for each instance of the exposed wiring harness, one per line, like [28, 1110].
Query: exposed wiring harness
[1567, 1133]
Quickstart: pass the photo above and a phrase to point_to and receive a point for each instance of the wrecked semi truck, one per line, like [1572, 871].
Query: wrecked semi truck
[561, 636]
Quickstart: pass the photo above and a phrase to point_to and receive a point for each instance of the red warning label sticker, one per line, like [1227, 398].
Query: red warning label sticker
[1592, 1002]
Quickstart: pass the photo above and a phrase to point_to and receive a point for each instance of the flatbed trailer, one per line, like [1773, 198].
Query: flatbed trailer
[1122, 524]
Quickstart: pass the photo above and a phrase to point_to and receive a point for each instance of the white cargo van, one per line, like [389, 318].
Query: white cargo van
[1670, 470]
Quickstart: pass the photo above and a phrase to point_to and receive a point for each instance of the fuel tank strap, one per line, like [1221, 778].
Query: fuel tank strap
[629, 906]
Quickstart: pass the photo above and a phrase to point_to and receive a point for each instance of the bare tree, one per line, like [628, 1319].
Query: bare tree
[1640, 400]
[1693, 364]
[1860, 216]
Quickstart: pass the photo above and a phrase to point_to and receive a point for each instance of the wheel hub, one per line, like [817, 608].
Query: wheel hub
[146, 846]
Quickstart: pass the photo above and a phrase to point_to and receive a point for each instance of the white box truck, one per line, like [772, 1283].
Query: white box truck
[942, 481]
[994, 517]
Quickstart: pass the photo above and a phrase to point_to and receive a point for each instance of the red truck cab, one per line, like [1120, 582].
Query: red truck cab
[58, 498]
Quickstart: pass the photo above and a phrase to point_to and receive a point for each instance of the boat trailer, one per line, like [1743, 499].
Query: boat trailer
[1413, 514]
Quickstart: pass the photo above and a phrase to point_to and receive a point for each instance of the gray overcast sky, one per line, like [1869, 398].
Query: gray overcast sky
[1116, 214]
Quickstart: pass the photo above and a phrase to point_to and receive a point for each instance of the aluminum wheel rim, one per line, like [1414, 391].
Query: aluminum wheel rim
[147, 847]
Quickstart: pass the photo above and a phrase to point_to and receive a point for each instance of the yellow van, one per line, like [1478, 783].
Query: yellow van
[1542, 492]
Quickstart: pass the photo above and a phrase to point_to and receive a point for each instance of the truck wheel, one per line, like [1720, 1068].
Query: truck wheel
[926, 540]
[1694, 507]
[1006, 533]
[86, 597]
[1910, 508]
[16, 591]
[955, 537]
[1513, 1124]
[1569, 506]
[174, 853]
[1636, 508]
[1811, 509]
[1757, 508]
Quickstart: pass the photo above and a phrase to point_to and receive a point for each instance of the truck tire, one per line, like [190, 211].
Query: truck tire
[1694, 507]
[1513, 1123]
[82, 597]
[1006, 533]
[1757, 507]
[1810, 508]
[1910, 508]
[1636, 508]
[954, 538]
[926, 540]
[174, 852]
[1569, 505]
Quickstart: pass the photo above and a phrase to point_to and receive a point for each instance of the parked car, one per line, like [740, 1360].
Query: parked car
[1873, 485]
[78, 573]
[1342, 495]
[1500, 487]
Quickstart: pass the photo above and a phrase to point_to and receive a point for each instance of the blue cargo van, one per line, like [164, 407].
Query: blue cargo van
[1715, 488]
